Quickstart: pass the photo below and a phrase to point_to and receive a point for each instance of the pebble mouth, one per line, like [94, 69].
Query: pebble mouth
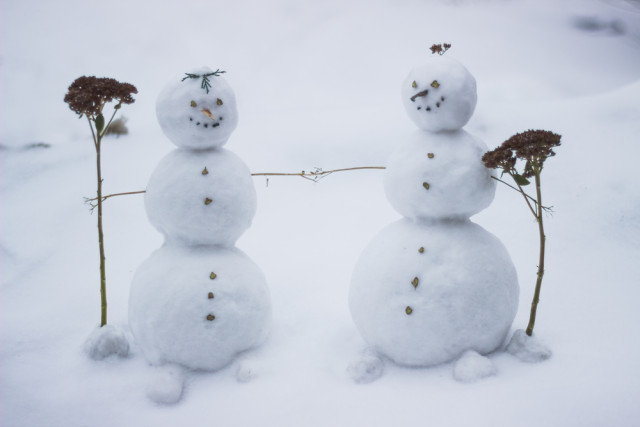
[429, 107]
[206, 125]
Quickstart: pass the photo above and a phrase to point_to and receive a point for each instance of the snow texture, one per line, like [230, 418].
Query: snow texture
[449, 163]
[106, 341]
[439, 95]
[165, 385]
[471, 367]
[193, 118]
[526, 348]
[367, 368]
[180, 314]
[427, 307]
[201, 197]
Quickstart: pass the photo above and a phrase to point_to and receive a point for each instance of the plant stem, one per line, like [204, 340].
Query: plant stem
[525, 195]
[104, 131]
[536, 295]
[103, 275]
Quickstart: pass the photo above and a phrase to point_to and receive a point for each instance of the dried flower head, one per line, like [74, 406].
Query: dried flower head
[88, 95]
[499, 158]
[440, 49]
[532, 146]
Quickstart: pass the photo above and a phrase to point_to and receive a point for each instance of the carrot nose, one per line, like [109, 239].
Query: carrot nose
[208, 113]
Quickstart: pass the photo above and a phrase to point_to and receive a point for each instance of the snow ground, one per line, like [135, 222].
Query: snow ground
[318, 85]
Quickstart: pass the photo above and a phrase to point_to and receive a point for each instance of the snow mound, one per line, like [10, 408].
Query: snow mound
[165, 385]
[247, 370]
[472, 367]
[106, 341]
[526, 348]
[367, 368]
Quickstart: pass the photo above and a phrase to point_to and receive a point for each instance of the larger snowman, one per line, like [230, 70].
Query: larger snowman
[198, 301]
[434, 285]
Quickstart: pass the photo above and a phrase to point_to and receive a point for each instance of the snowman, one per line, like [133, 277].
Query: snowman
[434, 286]
[198, 301]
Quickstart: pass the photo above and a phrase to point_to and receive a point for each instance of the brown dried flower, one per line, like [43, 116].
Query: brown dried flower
[438, 48]
[532, 146]
[88, 95]
[499, 158]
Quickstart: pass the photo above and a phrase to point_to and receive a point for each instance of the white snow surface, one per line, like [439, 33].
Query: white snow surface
[201, 197]
[197, 117]
[198, 307]
[317, 85]
[439, 175]
[426, 308]
[439, 94]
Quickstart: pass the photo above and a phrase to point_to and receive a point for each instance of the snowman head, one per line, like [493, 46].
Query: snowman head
[197, 110]
[439, 95]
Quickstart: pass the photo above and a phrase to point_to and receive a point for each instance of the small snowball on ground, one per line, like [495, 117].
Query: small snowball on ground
[165, 385]
[526, 348]
[472, 367]
[247, 370]
[366, 368]
[106, 341]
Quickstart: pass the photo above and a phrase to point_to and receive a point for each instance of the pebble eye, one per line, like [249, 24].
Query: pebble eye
[219, 101]
[193, 104]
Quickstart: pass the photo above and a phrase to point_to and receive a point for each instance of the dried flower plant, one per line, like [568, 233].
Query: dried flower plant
[440, 49]
[532, 147]
[87, 96]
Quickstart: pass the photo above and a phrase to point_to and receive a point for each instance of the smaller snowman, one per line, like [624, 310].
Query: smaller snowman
[198, 301]
[434, 286]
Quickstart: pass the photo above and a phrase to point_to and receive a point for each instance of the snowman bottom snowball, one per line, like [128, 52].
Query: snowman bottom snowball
[422, 293]
[198, 307]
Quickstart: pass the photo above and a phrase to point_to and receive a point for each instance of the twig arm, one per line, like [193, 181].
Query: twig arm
[318, 172]
[312, 176]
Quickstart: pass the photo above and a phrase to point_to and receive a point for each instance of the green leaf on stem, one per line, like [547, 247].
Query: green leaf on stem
[99, 123]
[520, 180]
